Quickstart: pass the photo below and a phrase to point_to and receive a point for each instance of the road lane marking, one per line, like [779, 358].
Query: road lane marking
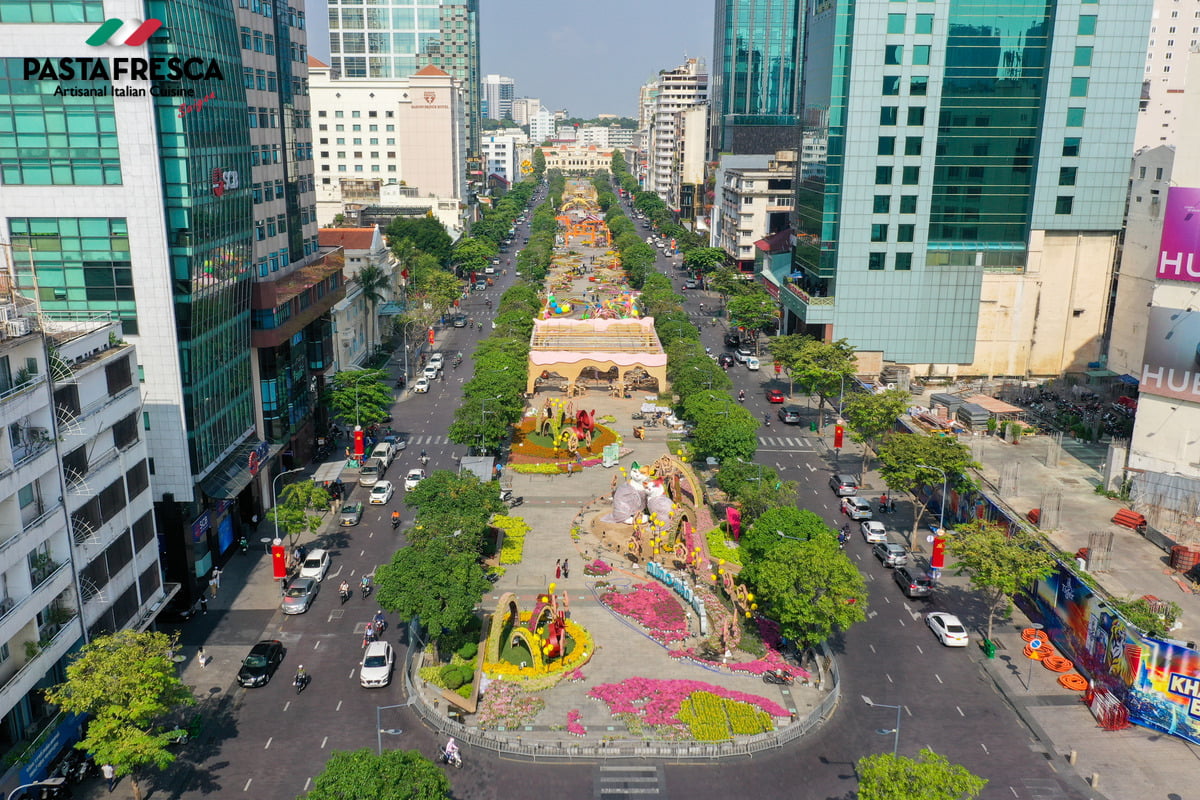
[316, 644]
[323, 741]
[246, 788]
[871, 645]
[922, 652]
[960, 711]
[889, 677]
[984, 746]
[1014, 791]
[938, 677]
[307, 783]
[267, 746]
[902, 625]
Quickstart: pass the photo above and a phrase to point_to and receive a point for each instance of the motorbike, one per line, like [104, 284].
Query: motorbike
[515, 501]
[424, 460]
[453, 759]
[344, 594]
[178, 735]
[637, 415]
[778, 677]
[366, 591]
[742, 396]
[301, 682]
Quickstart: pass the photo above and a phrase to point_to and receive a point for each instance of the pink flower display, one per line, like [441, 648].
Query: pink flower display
[657, 702]
[575, 675]
[597, 567]
[653, 607]
[574, 727]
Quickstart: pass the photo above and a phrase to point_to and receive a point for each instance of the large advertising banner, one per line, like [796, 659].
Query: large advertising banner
[1179, 253]
[1157, 681]
[1171, 363]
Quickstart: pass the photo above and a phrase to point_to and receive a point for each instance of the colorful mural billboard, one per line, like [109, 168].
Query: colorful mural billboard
[1171, 362]
[1157, 680]
[1179, 252]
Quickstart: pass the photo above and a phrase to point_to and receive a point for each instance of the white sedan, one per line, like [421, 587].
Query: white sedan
[873, 531]
[421, 386]
[413, 477]
[436, 360]
[947, 628]
[381, 492]
[315, 565]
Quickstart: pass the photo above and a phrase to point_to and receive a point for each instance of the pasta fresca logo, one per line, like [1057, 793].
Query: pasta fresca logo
[135, 39]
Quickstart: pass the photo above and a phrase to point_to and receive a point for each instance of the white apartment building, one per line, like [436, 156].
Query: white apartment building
[541, 126]
[619, 138]
[357, 323]
[78, 552]
[1174, 32]
[661, 107]
[754, 199]
[497, 91]
[501, 156]
[371, 133]
[566, 133]
[592, 134]
[523, 109]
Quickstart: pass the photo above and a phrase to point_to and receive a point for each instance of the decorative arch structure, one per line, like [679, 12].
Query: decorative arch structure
[568, 347]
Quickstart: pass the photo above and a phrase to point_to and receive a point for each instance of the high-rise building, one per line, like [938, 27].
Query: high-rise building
[1174, 32]
[541, 126]
[754, 87]
[665, 102]
[975, 168]
[498, 91]
[380, 41]
[523, 109]
[189, 217]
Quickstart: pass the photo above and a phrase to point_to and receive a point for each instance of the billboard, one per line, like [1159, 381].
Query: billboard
[1171, 362]
[1179, 253]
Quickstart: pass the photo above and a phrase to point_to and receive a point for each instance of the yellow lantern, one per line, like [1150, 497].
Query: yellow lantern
[553, 586]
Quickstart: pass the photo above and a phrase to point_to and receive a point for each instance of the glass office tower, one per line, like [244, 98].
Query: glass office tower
[395, 38]
[949, 147]
[754, 84]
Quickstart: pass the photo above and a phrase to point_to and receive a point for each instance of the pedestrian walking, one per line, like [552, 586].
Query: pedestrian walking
[566, 569]
[254, 523]
[558, 569]
[203, 604]
[566, 604]
[203, 659]
[110, 775]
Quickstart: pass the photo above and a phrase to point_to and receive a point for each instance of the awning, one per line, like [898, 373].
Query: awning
[329, 472]
[390, 310]
[1127, 378]
[232, 475]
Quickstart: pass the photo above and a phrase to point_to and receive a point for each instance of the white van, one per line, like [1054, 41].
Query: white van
[383, 451]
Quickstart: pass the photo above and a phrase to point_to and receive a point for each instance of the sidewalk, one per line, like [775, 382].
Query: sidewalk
[1136, 762]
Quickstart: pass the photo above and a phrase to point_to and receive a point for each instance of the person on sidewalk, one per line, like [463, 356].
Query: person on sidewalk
[203, 604]
[110, 775]
[566, 569]
[203, 659]
[558, 569]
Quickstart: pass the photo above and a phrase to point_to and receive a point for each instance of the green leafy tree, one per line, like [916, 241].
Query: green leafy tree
[724, 429]
[727, 282]
[427, 234]
[823, 368]
[1001, 563]
[872, 415]
[394, 775]
[929, 776]
[447, 502]
[360, 396]
[788, 352]
[810, 588]
[127, 684]
[794, 523]
[907, 462]
[539, 163]
[705, 259]
[293, 511]
[754, 311]
[373, 280]
[439, 582]
[472, 254]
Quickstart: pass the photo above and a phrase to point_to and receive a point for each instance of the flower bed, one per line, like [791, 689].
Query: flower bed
[574, 727]
[717, 547]
[597, 567]
[653, 702]
[512, 546]
[653, 607]
[544, 676]
[505, 706]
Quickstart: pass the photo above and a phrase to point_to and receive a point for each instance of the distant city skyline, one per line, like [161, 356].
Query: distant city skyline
[588, 59]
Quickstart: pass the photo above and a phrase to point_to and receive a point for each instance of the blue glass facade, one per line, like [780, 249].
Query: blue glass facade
[939, 139]
[754, 83]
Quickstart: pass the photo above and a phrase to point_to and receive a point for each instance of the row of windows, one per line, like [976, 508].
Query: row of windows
[270, 190]
[356, 115]
[262, 118]
[266, 228]
[258, 41]
[260, 79]
[373, 141]
[295, 17]
[878, 261]
[19, 11]
[358, 154]
[357, 168]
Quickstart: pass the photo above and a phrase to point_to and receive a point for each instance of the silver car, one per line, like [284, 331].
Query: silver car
[299, 594]
[890, 553]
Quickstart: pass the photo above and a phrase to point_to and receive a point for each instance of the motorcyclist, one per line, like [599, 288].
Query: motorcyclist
[379, 621]
[424, 458]
[741, 395]
[365, 584]
[301, 679]
[344, 590]
[395, 519]
[451, 751]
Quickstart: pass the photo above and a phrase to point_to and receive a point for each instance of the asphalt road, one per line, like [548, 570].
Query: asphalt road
[272, 741]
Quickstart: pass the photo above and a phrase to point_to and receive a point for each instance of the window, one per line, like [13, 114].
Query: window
[924, 23]
[916, 115]
[893, 54]
[883, 204]
[912, 145]
[920, 55]
[1062, 205]
[1079, 87]
[891, 85]
[26, 495]
[1071, 146]
[904, 233]
[879, 232]
[876, 260]
[904, 261]
[1158, 173]
[886, 146]
[919, 87]
[1066, 176]
[1087, 25]
[1083, 56]
[895, 23]
[1075, 117]
[908, 204]
[911, 176]
[883, 176]
[888, 115]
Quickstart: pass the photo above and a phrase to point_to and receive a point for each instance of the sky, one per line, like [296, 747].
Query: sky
[587, 57]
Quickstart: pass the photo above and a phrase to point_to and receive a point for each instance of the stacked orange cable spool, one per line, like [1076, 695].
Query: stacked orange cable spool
[1074, 682]
[1051, 660]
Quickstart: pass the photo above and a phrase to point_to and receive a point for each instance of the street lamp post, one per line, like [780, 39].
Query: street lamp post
[380, 730]
[884, 731]
[482, 412]
[274, 503]
[52, 782]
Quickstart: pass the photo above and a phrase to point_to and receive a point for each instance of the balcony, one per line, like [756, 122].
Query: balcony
[22, 612]
[20, 401]
[34, 530]
[286, 290]
[34, 670]
[813, 310]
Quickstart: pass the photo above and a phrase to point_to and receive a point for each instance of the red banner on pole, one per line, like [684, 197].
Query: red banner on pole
[359, 447]
[838, 432]
[278, 561]
[778, 368]
[937, 558]
[431, 335]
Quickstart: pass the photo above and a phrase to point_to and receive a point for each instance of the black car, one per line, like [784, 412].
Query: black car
[913, 583]
[732, 339]
[725, 360]
[260, 663]
[790, 415]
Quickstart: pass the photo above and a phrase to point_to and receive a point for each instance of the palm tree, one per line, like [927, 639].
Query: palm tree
[372, 279]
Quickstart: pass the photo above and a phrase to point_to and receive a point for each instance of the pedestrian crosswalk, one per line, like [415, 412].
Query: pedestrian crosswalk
[784, 443]
[427, 440]
[617, 781]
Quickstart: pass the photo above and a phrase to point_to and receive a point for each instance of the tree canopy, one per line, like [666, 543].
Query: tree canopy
[1000, 563]
[128, 684]
[872, 415]
[427, 234]
[929, 776]
[908, 461]
[797, 523]
[394, 775]
[754, 310]
[724, 430]
[295, 501]
[438, 582]
[705, 259]
[360, 396]
[810, 588]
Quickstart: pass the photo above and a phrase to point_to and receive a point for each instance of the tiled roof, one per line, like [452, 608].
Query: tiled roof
[347, 238]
